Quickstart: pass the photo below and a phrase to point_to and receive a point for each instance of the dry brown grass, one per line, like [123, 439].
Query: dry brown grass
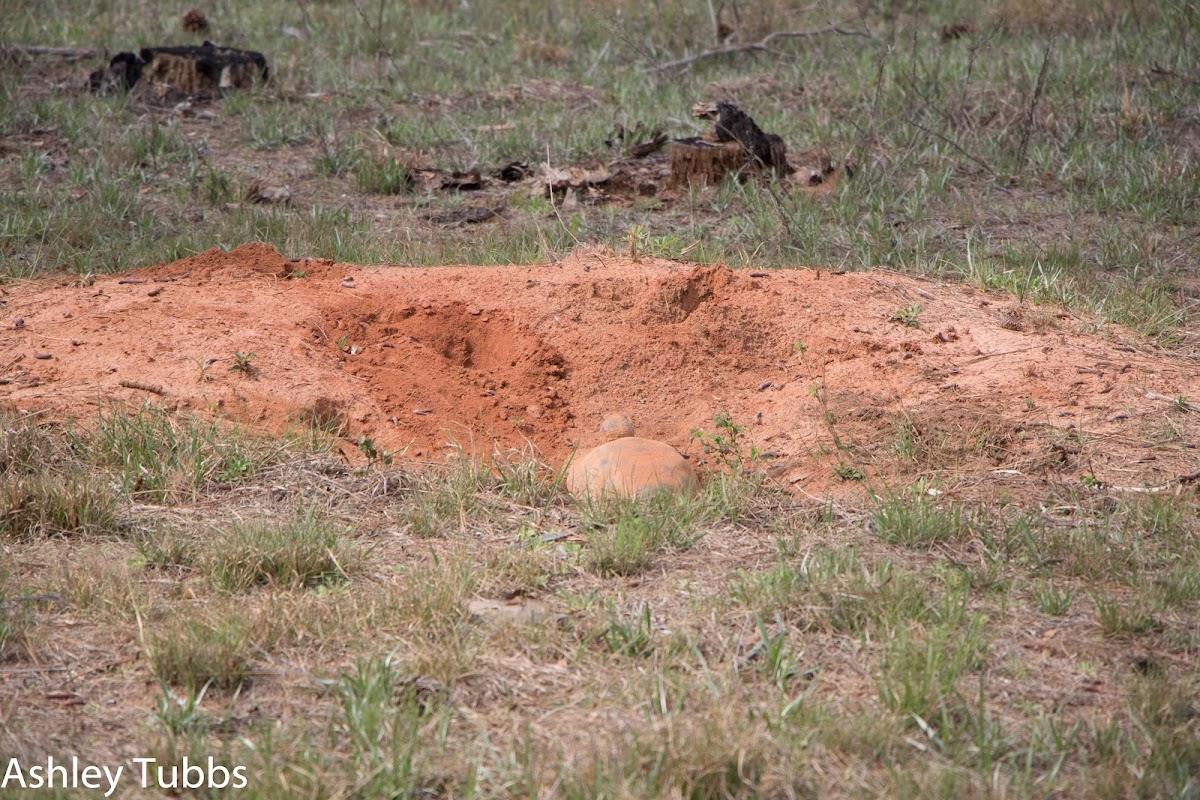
[1071, 16]
[747, 662]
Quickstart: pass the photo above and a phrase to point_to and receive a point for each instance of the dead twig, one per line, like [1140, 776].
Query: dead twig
[986, 356]
[1177, 401]
[70, 53]
[952, 143]
[12, 363]
[1027, 128]
[1181, 480]
[763, 45]
[1170, 73]
[48, 597]
[145, 387]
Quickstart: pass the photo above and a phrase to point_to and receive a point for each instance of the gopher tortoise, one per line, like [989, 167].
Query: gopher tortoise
[627, 465]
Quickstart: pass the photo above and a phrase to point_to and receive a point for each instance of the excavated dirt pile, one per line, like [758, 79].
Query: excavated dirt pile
[829, 373]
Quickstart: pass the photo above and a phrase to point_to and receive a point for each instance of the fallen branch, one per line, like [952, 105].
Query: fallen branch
[761, 46]
[33, 50]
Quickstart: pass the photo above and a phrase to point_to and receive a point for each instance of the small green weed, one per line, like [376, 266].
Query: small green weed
[214, 186]
[381, 716]
[432, 598]
[909, 315]
[367, 703]
[639, 242]
[26, 446]
[626, 545]
[833, 591]
[919, 674]
[386, 178]
[375, 455]
[167, 549]
[1124, 620]
[180, 714]
[523, 478]
[849, 472]
[15, 617]
[446, 497]
[160, 455]
[241, 363]
[1180, 585]
[336, 157]
[203, 365]
[728, 444]
[779, 661]
[631, 634]
[1052, 599]
[627, 534]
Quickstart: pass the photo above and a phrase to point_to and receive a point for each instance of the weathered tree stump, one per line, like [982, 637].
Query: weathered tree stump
[175, 73]
[697, 162]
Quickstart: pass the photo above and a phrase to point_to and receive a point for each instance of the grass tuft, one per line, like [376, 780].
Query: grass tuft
[631, 634]
[1053, 599]
[160, 455]
[305, 550]
[919, 675]
[50, 504]
[1124, 620]
[627, 534]
[192, 652]
[917, 521]
[25, 446]
[16, 620]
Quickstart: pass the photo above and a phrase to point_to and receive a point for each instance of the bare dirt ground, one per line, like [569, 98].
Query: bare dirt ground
[824, 369]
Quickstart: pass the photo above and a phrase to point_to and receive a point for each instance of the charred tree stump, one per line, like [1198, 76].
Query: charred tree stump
[740, 147]
[735, 125]
[175, 73]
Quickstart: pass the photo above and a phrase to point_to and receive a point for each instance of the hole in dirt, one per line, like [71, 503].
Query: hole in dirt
[458, 365]
[474, 340]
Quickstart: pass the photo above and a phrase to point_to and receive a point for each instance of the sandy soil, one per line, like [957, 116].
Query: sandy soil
[507, 356]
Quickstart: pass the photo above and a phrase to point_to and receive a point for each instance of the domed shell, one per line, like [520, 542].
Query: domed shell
[630, 466]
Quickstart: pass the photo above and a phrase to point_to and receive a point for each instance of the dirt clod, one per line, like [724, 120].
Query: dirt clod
[194, 21]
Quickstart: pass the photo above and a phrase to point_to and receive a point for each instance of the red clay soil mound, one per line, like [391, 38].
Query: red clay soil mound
[816, 365]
